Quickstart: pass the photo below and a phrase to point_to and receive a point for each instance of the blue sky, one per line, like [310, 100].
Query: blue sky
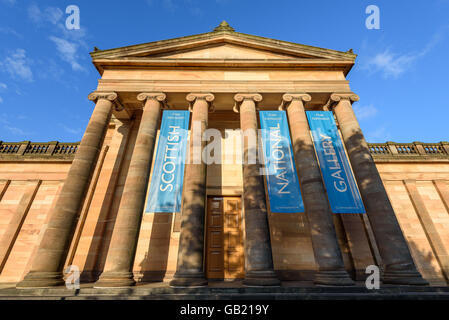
[401, 73]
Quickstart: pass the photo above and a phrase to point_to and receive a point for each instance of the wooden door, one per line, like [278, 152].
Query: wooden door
[224, 238]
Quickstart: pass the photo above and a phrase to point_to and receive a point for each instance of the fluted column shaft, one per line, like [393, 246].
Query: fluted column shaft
[120, 258]
[48, 264]
[399, 265]
[190, 266]
[259, 270]
[331, 269]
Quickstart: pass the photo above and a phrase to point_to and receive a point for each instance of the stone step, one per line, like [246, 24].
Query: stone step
[223, 293]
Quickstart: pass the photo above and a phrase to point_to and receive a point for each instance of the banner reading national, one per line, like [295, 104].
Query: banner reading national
[282, 179]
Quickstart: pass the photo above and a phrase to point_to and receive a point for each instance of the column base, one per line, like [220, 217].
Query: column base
[89, 276]
[333, 278]
[115, 279]
[403, 274]
[38, 279]
[188, 280]
[261, 279]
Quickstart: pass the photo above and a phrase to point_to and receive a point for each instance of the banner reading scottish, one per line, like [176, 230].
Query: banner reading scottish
[344, 197]
[282, 179]
[168, 173]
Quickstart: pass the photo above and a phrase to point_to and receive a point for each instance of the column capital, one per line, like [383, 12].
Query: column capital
[110, 96]
[240, 97]
[338, 96]
[206, 96]
[289, 97]
[96, 95]
[158, 96]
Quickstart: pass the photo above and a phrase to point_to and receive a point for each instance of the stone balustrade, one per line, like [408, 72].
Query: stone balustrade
[27, 150]
[380, 151]
[409, 151]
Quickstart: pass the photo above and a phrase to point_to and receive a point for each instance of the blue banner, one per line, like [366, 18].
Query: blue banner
[282, 179]
[168, 172]
[344, 197]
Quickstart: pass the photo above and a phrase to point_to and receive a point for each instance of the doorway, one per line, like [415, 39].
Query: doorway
[224, 238]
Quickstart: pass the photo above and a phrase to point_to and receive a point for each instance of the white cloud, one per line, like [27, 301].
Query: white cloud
[365, 111]
[169, 4]
[8, 30]
[68, 52]
[67, 42]
[15, 130]
[3, 85]
[381, 134]
[70, 130]
[18, 65]
[10, 2]
[1, 100]
[392, 64]
[53, 14]
[6, 125]
[49, 14]
[34, 13]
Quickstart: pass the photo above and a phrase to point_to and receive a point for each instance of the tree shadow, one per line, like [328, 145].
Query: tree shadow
[154, 265]
[90, 271]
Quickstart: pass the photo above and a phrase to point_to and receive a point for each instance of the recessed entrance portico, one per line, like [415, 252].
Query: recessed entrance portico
[224, 78]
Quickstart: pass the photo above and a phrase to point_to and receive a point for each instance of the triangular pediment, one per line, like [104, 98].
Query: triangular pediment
[225, 47]
[223, 51]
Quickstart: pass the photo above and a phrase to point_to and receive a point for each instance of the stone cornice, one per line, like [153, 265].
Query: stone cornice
[220, 37]
[304, 64]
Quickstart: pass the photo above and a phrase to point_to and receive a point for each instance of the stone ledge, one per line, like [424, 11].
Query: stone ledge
[289, 291]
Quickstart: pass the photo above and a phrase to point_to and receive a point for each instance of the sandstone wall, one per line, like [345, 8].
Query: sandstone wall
[419, 191]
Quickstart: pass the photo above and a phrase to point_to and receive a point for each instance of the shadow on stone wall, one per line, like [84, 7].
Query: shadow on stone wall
[426, 262]
[154, 265]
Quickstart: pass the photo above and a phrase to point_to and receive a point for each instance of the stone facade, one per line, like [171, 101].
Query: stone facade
[82, 204]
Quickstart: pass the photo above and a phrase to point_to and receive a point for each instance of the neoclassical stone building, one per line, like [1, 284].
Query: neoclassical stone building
[83, 204]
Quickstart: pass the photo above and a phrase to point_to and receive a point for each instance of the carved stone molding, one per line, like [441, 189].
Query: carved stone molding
[96, 95]
[208, 97]
[158, 96]
[110, 96]
[338, 96]
[289, 97]
[240, 97]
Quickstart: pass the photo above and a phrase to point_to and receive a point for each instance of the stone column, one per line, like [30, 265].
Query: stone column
[119, 261]
[399, 265]
[331, 268]
[190, 267]
[259, 269]
[47, 266]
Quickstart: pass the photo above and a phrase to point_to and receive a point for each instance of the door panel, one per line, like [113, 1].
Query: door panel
[224, 256]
